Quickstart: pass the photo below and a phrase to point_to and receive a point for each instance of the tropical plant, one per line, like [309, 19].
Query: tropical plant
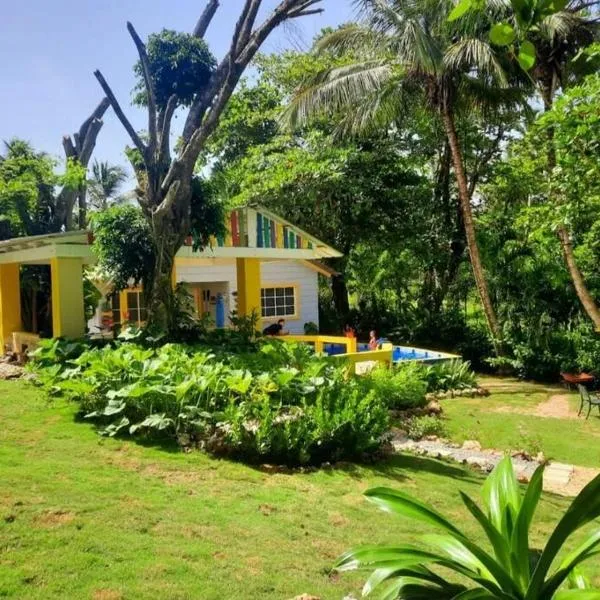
[403, 386]
[280, 402]
[420, 427]
[450, 375]
[513, 569]
[412, 53]
[105, 184]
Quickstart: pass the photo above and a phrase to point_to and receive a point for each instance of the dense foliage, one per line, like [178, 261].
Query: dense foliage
[180, 64]
[122, 245]
[511, 570]
[280, 403]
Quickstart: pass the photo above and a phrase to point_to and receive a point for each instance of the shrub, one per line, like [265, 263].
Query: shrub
[420, 427]
[283, 403]
[450, 375]
[402, 386]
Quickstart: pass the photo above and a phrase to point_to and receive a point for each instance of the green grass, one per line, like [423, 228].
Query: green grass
[87, 517]
[491, 422]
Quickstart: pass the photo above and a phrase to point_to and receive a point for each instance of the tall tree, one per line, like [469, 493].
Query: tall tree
[558, 39]
[166, 181]
[105, 183]
[411, 53]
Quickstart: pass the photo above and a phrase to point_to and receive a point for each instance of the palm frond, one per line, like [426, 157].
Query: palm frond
[377, 111]
[568, 25]
[477, 56]
[334, 89]
[349, 39]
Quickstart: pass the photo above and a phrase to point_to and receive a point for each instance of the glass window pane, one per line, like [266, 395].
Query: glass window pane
[289, 310]
[279, 292]
[132, 301]
[269, 312]
[289, 291]
[269, 292]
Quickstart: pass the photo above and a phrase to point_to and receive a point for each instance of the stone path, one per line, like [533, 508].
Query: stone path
[10, 371]
[559, 478]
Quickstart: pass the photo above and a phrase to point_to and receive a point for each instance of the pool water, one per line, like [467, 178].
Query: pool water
[399, 353]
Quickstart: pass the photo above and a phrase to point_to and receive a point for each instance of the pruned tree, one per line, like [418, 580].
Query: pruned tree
[165, 181]
[78, 151]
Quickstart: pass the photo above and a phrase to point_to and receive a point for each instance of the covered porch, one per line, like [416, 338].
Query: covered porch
[66, 254]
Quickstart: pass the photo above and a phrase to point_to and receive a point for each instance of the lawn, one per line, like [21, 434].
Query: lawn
[502, 421]
[87, 517]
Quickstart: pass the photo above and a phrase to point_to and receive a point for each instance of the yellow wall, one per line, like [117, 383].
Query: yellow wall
[10, 303]
[68, 318]
[248, 286]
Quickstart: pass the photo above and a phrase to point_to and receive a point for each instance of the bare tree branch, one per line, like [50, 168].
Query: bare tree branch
[241, 56]
[167, 203]
[165, 130]
[97, 114]
[305, 13]
[244, 26]
[205, 18]
[89, 143]
[141, 48]
[69, 147]
[301, 11]
[135, 138]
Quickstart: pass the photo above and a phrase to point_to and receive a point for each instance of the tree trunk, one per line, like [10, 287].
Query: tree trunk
[581, 289]
[465, 203]
[340, 296]
[168, 231]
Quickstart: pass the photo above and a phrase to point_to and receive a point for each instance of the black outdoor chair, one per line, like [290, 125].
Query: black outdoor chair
[591, 399]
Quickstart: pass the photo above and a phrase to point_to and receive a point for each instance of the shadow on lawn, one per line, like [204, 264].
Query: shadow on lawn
[401, 466]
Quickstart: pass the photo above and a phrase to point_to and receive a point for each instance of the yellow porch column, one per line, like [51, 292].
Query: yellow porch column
[10, 303]
[68, 318]
[248, 286]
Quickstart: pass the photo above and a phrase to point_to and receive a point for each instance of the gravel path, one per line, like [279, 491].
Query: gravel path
[559, 478]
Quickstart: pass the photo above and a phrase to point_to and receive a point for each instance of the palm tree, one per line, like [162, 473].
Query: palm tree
[106, 181]
[410, 53]
[558, 39]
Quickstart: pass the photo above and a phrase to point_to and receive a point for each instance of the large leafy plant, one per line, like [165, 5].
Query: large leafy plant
[278, 402]
[512, 570]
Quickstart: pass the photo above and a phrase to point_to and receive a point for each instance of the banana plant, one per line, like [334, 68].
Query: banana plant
[512, 570]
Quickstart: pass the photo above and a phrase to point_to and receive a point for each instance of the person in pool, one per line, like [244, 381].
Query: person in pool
[373, 344]
[275, 328]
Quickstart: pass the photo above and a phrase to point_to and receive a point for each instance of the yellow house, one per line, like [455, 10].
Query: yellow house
[263, 264]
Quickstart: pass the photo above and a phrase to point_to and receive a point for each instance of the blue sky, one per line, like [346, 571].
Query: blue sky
[48, 52]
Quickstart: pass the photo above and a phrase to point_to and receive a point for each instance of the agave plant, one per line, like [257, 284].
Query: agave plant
[512, 570]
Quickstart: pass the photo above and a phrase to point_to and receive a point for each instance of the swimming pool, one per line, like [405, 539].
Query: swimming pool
[399, 353]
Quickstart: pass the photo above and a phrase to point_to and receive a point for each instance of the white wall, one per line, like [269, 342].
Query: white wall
[295, 273]
[279, 272]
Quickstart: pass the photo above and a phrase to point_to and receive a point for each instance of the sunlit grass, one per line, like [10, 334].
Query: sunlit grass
[87, 517]
[501, 421]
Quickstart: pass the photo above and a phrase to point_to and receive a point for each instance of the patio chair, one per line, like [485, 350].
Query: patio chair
[591, 400]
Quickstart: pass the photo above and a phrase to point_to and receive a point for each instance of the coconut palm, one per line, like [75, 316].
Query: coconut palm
[410, 53]
[104, 186]
[557, 40]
